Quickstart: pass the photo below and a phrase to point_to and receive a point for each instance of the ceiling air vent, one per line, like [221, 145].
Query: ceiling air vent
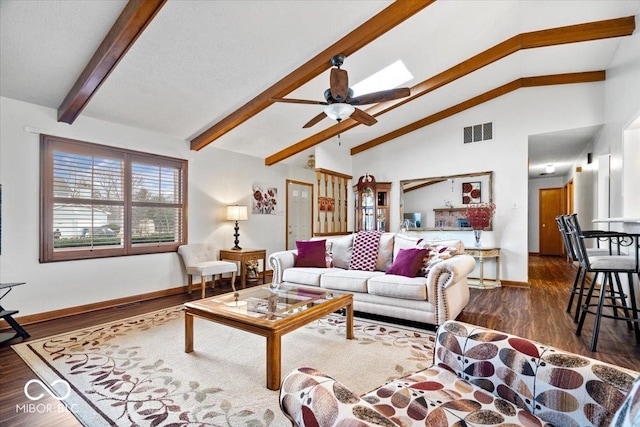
[475, 133]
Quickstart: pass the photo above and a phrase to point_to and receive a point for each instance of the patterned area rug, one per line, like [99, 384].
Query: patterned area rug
[135, 371]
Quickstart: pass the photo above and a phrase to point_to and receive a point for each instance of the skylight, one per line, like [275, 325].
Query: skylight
[389, 77]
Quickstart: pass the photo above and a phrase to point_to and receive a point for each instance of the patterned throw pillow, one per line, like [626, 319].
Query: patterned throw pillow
[365, 250]
[327, 256]
[436, 254]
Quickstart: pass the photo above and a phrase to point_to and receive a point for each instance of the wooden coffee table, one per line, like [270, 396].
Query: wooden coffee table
[260, 311]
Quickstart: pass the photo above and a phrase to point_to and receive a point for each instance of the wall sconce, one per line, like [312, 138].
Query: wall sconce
[236, 213]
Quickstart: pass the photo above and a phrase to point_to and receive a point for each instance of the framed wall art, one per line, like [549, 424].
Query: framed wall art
[265, 199]
[471, 192]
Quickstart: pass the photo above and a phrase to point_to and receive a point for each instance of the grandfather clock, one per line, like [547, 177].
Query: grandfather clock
[372, 204]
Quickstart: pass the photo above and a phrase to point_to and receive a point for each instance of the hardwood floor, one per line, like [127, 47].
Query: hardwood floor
[537, 312]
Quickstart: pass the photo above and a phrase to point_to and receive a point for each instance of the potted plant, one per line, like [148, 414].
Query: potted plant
[479, 217]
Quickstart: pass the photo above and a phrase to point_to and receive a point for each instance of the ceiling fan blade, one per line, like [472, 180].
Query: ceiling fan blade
[364, 118]
[315, 120]
[383, 95]
[339, 83]
[298, 101]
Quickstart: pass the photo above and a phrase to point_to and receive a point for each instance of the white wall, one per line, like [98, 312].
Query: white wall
[216, 178]
[621, 106]
[438, 150]
[631, 150]
[534, 207]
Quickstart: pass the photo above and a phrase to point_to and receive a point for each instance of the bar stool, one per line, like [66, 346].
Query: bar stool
[581, 275]
[610, 267]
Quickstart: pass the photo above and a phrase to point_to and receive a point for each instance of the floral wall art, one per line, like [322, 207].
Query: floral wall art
[264, 199]
[471, 192]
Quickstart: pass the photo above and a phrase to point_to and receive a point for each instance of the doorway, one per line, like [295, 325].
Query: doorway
[551, 206]
[299, 221]
[568, 197]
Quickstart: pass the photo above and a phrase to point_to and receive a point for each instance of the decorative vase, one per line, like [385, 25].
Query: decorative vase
[477, 234]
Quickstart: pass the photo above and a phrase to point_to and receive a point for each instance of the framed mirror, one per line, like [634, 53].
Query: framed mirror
[439, 203]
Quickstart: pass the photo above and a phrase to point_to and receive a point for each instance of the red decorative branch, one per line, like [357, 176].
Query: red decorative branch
[479, 216]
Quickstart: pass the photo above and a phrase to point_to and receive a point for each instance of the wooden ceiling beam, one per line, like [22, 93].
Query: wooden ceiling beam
[555, 79]
[133, 20]
[390, 17]
[424, 184]
[590, 31]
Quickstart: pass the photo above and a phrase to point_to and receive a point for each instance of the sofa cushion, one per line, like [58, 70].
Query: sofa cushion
[365, 250]
[437, 396]
[385, 251]
[341, 251]
[408, 262]
[400, 241]
[394, 286]
[348, 280]
[305, 275]
[311, 253]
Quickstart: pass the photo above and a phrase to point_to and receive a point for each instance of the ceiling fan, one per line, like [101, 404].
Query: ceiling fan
[339, 100]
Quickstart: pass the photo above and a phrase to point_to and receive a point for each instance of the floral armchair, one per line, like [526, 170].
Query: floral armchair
[479, 377]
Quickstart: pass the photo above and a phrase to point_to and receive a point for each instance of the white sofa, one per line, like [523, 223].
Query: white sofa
[434, 299]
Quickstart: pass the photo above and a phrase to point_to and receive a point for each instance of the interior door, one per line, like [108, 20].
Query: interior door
[299, 212]
[551, 205]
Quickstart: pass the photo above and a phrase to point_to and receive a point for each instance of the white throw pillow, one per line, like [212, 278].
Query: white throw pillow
[400, 241]
[341, 251]
[385, 252]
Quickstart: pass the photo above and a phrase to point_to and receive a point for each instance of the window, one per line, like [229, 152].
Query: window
[99, 201]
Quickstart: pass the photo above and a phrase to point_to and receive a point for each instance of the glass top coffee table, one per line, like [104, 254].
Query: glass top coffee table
[261, 311]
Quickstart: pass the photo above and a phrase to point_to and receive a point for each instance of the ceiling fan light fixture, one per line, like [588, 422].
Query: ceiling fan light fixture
[339, 111]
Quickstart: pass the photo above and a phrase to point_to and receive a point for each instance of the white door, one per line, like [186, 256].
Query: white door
[299, 212]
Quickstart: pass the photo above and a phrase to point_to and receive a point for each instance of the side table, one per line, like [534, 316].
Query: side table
[242, 256]
[7, 315]
[481, 254]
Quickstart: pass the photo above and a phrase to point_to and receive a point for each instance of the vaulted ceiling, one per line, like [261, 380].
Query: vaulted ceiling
[204, 71]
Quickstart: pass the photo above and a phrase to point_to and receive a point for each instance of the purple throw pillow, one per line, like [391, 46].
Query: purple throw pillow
[311, 253]
[408, 262]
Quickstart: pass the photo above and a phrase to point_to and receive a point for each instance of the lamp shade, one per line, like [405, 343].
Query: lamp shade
[339, 111]
[237, 213]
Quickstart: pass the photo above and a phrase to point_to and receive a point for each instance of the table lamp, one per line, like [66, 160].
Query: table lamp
[236, 213]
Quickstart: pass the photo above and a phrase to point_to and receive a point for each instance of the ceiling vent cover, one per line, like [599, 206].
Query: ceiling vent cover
[476, 133]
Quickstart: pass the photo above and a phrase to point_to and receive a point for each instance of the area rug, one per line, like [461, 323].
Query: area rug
[135, 371]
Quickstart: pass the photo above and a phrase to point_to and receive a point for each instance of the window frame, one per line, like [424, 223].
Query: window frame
[50, 144]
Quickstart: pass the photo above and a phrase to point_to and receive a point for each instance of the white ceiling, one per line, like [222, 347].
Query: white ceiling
[200, 60]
